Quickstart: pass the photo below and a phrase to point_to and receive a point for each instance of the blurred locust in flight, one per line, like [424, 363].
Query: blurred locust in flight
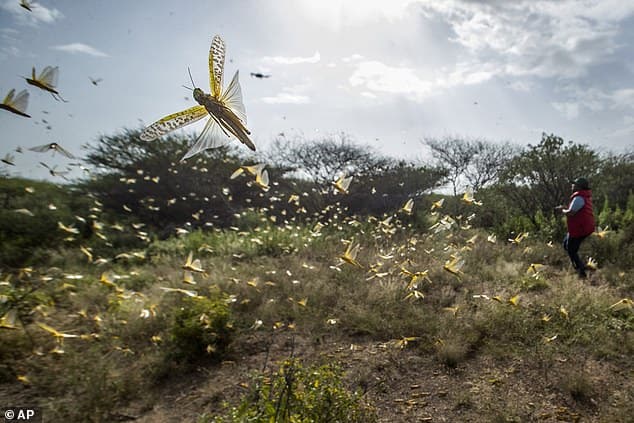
[95, 81]
[47, 81]
[25, 4]
[226, 109]
[16, 103]
[54, 147]
[259, 75]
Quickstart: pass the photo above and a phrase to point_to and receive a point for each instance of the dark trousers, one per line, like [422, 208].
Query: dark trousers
[571, 245]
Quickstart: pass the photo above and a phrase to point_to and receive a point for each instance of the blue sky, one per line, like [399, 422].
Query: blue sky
[388, 73]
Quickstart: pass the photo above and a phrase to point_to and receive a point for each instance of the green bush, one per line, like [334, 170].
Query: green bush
[84, 387]
[268, 240]
[200, 328]
[22, 234]
[452, 353]
[578, 384]
[616, 248]
[299, 394]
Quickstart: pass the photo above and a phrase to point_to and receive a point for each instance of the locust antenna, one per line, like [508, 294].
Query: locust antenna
[190, 77]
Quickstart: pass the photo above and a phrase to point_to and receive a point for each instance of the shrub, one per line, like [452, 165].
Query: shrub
[300, 394]
[451, 353]
[200, 328]
[578, 385]
[21, 235]
[268, 240]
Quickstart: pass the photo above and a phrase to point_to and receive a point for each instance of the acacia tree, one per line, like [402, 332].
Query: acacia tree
[539, 178]
[616, 182]
[20, 236]
[387, 191]
[322, 160]
[475, 161]
[380, 184]
[487, 162]
[149, 179]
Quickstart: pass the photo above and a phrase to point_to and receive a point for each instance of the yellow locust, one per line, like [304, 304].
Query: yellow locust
[224, 107]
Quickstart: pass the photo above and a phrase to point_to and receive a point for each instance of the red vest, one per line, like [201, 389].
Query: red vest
[582, 223]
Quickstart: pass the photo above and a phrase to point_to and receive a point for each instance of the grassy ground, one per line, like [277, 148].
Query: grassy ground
[412, 341]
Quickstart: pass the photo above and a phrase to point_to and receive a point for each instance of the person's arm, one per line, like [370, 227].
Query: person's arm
[576, 204]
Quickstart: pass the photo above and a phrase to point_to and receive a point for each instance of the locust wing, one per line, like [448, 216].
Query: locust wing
[232, 98]
[216, 65]
[173, 122]
[9, 98]
[52, 146]
[212, 136]
[16, 104]
[63, 151]
[49, 76]
[21, 101]
[41, 148]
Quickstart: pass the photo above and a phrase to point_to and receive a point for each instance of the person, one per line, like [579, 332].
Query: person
[580, 222]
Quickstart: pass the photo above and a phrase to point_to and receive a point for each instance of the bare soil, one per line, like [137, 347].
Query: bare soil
[403, 385]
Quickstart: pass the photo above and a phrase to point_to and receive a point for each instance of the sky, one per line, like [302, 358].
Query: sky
[387, 73]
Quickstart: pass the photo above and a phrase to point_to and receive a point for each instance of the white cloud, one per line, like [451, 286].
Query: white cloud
[523, 86]
[468, 73]
[377, 77]
[623, 98]
[80, 48]
[569, 110]
[592, 99]
[42, 14]
[560, 39]
[283, 60]
[9, 33]
[595, 99]
[345, 13]
[286, 98]
[8, 51]
[352, 58]
[39, 13]
[543, 38]
[626, 130]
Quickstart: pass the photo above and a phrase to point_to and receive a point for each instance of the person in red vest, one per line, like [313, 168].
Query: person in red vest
[580, 222]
